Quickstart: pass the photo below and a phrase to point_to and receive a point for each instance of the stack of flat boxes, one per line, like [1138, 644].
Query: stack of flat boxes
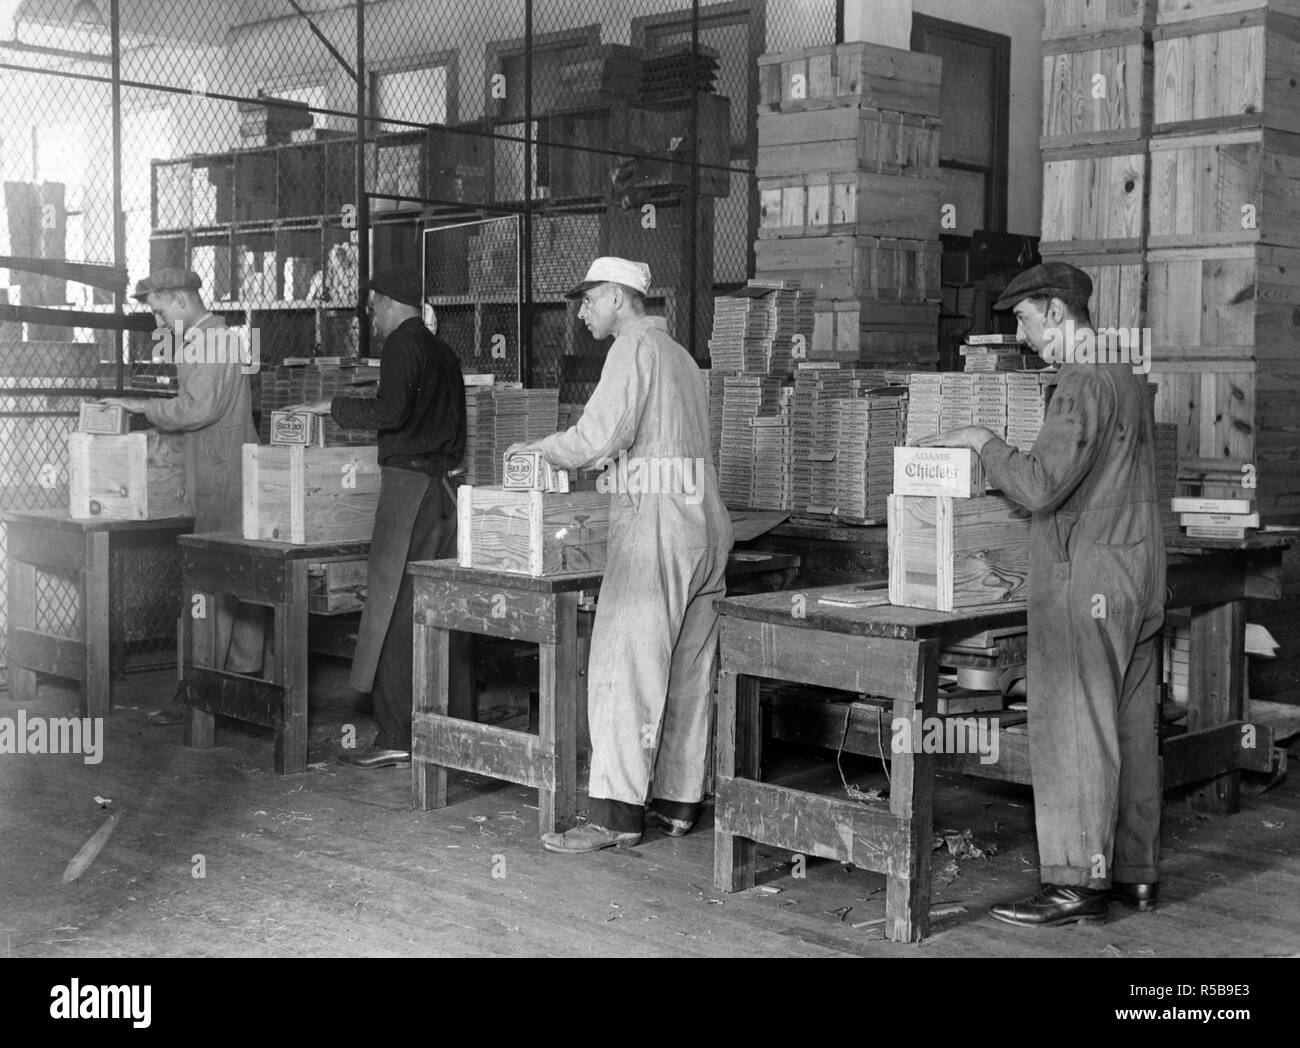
[815, 384]
[862, 432]
[745, 398]
[848, 168]
[301, 383]
[713, 394]
[1027, 393]
[772, 473]
[924, 405]
[497, 416]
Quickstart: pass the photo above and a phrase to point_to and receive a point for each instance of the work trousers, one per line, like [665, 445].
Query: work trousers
[433, 537]
[1093, 628]
[650, 679]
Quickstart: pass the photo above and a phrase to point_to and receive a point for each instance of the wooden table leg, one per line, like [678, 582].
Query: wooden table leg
[738, 748]
[430, 693]
[291, 672]
[22, 615]
[97, 687]
[1216, 683]
[557, 717]
[198, 648]
[911, 799]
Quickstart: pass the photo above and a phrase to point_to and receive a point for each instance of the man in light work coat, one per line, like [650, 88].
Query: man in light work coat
[1096, 596]
[213, 408]
[419, 414]
[654, 642]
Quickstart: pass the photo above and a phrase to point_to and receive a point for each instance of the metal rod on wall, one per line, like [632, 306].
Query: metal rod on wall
[526, 241]
[119, 219]
[363, 202]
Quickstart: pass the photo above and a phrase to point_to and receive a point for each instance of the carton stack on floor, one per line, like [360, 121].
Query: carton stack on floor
[848, 174]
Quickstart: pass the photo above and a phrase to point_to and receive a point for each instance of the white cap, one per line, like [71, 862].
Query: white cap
[610, 270]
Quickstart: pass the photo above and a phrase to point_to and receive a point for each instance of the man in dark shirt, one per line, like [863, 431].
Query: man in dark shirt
[419, 412]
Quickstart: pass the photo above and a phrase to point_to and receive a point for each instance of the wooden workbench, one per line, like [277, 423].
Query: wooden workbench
[270, 573]
[893, 653]
[51, 541]
[544, 611]
[885, 651]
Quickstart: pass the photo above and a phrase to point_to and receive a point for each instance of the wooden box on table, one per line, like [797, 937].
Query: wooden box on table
[135, 476]
[946, 554]
[305, 495]
[533, 533]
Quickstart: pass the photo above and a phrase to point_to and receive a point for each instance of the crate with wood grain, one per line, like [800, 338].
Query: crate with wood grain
[1069, 18]
[306, 495]
[1226, 66]
[946, 554]
[1226, 335]
[886, 269]
[1097, 89]
[134, 476]
[336, 585]
[847, 141]
[1094, 200]
[837, 203]
[851, 74]
[531, 532]
[1225, 187]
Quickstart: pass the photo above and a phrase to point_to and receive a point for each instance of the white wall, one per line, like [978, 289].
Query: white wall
[1022, 20]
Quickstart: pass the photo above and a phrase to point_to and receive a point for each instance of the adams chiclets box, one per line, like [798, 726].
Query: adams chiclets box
[948, 472]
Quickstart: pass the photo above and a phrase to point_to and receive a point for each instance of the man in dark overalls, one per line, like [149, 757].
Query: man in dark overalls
[419, 413]
[1096, 604]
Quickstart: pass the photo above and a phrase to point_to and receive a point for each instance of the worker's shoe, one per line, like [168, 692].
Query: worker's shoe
[1141, 897]
[375, 758]
[672, 827]
[1055, 904]
[587, 838]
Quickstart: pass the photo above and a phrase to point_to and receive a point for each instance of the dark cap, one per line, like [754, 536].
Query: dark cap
[167, 280]
[400, 283]
[1054, 279]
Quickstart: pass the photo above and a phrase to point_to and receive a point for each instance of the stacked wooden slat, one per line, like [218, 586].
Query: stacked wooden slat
[1223, 266]
[592, 76]
[848, 173]
[675, 74]
[1097, 102]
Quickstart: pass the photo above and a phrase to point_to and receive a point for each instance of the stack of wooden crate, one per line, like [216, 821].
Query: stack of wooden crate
[1097, 88]
[1171, 153]
[1223, 265]
[848, 175]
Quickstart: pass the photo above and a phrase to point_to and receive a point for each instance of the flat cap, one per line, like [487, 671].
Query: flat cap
[167, 280]
[400, 283]
[611, 270]
[1052, 278]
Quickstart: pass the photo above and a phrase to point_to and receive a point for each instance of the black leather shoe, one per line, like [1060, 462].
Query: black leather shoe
[1055, 904]
[375, 758]
[1142, 897]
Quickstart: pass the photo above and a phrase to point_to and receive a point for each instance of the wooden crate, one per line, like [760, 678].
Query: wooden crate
[946, 553]
[1232, 70]
[1226, 331]
[855, 74]
[460, 163]
[1094, 200]
[830, 204]
[138, 476]
[308, 495]
[336, 585]
[1169, 12]
[1096, 89]
[1072, 17]
[857, 267]
[849, 141]
[531, 532]
[1227, 187]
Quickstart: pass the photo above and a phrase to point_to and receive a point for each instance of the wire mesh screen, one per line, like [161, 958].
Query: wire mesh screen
[285, 151]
